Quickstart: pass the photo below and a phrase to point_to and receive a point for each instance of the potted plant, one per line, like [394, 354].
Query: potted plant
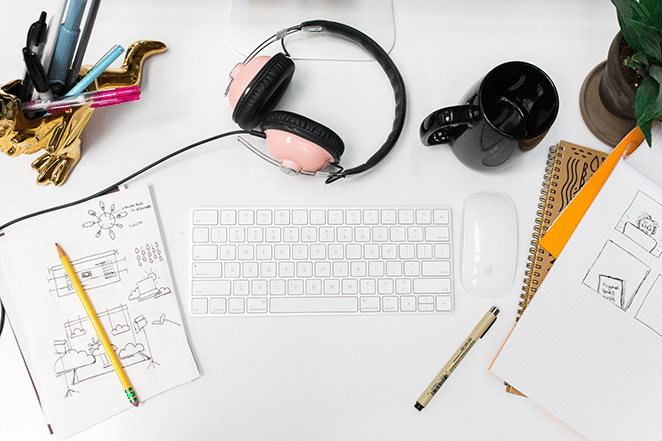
[641, 26]
[626, 90]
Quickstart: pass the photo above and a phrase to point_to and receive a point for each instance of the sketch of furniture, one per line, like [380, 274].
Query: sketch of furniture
[148, 289]
[80, 356]
[93, 272]
[617, 275]
[639, 223]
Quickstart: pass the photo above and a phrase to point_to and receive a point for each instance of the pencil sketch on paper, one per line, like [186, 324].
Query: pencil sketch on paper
[148, 288]
[150, 253]
[163, 320]
[93, 271]
[107, 220]
[616, 275]
[640, 223]
[80, 355]
[649, 311]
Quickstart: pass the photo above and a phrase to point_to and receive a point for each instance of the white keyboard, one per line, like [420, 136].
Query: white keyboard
[279, 261]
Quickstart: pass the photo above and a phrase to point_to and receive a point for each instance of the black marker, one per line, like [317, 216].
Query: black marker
[35, 44]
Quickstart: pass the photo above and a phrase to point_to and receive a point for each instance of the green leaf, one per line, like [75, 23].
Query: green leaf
[651, 95]
[627, 10]
[654, 11]
[646, 129]
[649, 38]
[648, 101]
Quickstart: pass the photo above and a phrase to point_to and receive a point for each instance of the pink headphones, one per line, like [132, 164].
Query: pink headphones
[296, 143]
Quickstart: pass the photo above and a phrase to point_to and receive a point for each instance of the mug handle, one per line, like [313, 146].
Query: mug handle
[447, 124]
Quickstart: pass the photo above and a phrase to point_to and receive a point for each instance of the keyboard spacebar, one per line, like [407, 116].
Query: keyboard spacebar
[307, 305]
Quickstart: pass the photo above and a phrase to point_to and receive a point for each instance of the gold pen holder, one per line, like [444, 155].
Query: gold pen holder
[58, 134]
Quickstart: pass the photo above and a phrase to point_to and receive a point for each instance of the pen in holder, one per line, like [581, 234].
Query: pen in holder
[57, 134]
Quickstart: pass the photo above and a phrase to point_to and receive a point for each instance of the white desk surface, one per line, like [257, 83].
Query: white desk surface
[331, 377]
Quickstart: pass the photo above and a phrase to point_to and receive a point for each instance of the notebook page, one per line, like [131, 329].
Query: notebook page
[115, 246]
[649, 160]
[589, 346]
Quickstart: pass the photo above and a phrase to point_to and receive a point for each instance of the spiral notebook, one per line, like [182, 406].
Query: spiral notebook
[588, 349]
[568, 168]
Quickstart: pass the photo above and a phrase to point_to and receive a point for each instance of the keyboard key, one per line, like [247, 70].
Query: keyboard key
[370, 304]
[408, 303]
[207, 269]
[246, 217]
[300, 217]
[390, 304]
[211, 288]
[317, 217]
[424, 216]
[198, 306]
[294, 305]
[437, 234]
[263, 217]
[217, 305]
[441, 216]
[432, 286]
[200, 235]
[444, 303]
[370, 217]
[205, 217]
[228, 217]
[219, 234]
[436, 268]
[256, 306]
[205, 252]
[282, 217]
[236, 306]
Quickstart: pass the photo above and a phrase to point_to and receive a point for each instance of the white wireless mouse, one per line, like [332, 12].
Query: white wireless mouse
[489, 244]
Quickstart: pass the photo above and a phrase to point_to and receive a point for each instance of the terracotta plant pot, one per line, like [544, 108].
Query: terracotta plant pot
[606, 99]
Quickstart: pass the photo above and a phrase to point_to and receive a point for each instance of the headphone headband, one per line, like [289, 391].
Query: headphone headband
[394, 77]
[380, 55]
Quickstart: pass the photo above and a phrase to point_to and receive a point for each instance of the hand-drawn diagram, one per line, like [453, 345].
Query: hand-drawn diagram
[80, 356]
[149, 254]
[163, 319]
[147, 288]
[640, 225]
[107, 220]
[93, 272]
[617, 275]
[649, 311]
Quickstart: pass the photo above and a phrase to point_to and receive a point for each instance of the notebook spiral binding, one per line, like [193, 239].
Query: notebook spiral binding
[568, 167]
[546, 199]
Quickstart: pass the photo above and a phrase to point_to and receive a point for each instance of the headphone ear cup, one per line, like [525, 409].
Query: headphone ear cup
[263, 90]
[301, 143]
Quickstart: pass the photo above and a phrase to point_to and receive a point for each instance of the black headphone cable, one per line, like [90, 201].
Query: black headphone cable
[114, 186]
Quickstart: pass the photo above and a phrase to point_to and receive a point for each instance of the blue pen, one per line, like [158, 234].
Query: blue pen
[66, 45]
[96, 70]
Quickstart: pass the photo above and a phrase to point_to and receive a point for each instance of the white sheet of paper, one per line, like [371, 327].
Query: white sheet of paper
[115, 246]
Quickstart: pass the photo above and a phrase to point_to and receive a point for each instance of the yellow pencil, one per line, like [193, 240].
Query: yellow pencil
[130, 394]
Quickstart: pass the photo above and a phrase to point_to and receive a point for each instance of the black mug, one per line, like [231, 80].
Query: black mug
[505, 114]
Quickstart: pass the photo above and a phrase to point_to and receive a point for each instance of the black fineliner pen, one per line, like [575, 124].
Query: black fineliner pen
[481, 328]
